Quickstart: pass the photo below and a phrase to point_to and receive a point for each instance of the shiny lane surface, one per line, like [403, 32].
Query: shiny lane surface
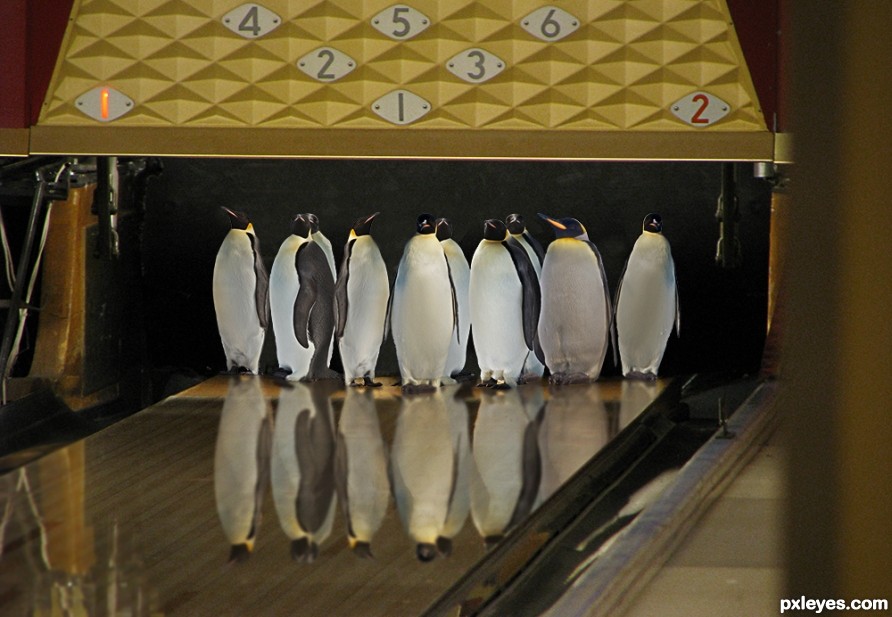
[139, 519]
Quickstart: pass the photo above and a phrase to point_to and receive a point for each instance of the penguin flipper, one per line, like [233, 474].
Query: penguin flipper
[315, 450]
[306, 297]
[607, 303]
[341, 476]
[264, 454]
[455, 326]
[529, 284]
[531, 474]
[261, 284]
[614, 334]
[341, 291]
[677, 307]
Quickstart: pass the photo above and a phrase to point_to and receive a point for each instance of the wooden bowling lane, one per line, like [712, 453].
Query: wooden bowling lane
[131, 518]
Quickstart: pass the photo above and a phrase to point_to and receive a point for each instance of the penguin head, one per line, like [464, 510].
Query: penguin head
[301, 226]
[363, 225]
[314, 222]
[425, 551]
[515, 224]
[566, 227]
[494, 229]
[238, 220]
[425, 224]
[444, 229]
[653, 223]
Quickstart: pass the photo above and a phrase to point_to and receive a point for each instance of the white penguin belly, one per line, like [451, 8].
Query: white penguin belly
[497, 313]
[283, 287]
[367, 294]
[646, 308]
[234, 283]
[574, 321]
[422, 312]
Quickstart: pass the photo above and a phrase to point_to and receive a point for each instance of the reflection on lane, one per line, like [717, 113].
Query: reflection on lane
[242, 463]
[430, 465]
[362, 480]
[303, 464]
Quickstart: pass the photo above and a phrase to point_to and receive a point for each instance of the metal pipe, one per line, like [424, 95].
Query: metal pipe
[15, 302]
[728, 253]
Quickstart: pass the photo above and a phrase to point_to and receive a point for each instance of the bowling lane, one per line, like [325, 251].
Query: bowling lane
[141, 517]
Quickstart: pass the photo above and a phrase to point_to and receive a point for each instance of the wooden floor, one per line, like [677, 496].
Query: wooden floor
[131, 519]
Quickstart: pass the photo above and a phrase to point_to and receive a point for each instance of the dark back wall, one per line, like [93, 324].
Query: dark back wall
[723, 311]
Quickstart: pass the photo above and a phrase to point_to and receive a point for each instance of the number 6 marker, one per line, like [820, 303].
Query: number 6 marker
[700, 109]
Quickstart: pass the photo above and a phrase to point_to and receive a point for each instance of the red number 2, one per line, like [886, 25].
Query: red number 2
[704, 103]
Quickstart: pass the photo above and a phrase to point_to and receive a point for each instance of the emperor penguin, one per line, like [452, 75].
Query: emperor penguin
[241, 295]
[424, 311]
[460, 272]
[361, 470]
[242, 463]
[533, 367]
[574, 324]
[504, 294]
[361, 296]
[303, 468]
[646, 302]
[320, 239]
[302, 305]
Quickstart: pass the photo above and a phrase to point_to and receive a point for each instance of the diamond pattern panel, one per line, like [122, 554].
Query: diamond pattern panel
[623, 68]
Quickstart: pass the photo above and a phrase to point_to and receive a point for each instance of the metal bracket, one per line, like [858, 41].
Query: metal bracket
[105, 206]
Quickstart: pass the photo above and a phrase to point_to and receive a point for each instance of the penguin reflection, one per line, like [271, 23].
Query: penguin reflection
[303, 462]
[241, 463]
[575, 427]
[507, 465]
[430, 468]
[361, 468]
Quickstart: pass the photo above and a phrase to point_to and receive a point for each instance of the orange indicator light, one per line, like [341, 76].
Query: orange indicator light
[103, 100]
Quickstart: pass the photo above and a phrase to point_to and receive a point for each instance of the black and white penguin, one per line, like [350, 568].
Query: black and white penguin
[574, 324]
[646, 302]
[460, 273]
[242, 463]
[424, 310]
[533, 367]
[361, 295]
[302, 469]
[241, 295]
[504, 294]
[302, 304]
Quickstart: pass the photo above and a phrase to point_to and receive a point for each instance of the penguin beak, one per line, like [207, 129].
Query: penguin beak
[228, 211]
[552, 222]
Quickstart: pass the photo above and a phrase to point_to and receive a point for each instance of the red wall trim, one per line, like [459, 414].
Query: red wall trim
[757, 23]
[13, 60]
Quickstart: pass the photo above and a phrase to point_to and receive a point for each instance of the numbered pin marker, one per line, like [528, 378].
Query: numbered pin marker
[251, 20]
[475, 65]
[550, 23]
[104, 103]
[700, 109]
[400, 22]
[326, 64]
[401, 107]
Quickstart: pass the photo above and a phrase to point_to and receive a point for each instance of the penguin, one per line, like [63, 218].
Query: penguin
[303, 469]
[362, 293]
[507, 466]
[532, 368]
[574, 324]
[320, 239]
[424, 310]
[460, 272]
[518, 230]
[429, 468]
[302, 305]
[504, 294]
[646, 302]
[361, 470]
[242, 463]
[241, 295]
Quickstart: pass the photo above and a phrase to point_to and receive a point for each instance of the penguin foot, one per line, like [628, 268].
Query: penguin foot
[645, 376]
[501, 385]
[280, 373]
[489, 383]
[444, 546]
[463, 376]
[244, 371]
[368, 382]
[574, 378]
[556, 379]
[420, 388]
[325, 373]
